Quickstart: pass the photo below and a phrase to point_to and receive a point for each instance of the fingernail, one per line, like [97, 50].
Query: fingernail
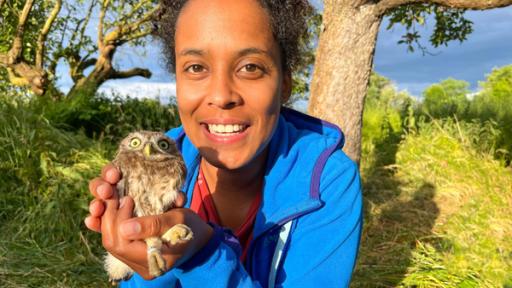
[87, 220]
[103, 191]
[130, 228]
[111, 174]
[121, 202]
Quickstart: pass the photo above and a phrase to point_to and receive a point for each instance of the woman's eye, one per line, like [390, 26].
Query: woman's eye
[251, 71]
[196, 68]
[250, 68]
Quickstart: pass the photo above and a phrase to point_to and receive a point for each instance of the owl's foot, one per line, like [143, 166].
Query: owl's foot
[156, 262]
[178, 233]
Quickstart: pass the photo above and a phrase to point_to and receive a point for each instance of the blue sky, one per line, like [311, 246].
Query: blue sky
[489, 46]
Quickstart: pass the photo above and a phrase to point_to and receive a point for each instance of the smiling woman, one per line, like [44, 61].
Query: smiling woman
[266, 185]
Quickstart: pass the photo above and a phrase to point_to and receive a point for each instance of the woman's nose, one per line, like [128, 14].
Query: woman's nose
[222, 94]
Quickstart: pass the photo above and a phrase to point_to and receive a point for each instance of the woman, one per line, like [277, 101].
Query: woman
[275, 177]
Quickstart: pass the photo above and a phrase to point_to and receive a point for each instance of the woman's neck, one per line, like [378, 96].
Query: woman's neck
[234, 191]
[238, 184]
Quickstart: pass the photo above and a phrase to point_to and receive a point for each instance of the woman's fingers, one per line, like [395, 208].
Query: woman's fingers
[126, 205]
[110, 174]
[96, 208]
[101, 189]
[144, 227]
[93, 223]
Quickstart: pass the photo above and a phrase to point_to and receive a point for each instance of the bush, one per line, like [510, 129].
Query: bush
[113, 118]
[46, 162]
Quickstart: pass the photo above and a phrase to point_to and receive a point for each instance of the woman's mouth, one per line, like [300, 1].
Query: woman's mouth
[225, 133]
[226, 129]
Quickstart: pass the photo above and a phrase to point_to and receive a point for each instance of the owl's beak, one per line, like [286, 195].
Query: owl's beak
[147, 150]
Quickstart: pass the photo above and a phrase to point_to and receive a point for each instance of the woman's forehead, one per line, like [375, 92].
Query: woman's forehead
[227, 22]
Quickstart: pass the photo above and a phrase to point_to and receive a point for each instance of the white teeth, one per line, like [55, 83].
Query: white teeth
[225, 129]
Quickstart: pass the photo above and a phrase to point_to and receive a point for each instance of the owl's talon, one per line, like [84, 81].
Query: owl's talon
[178, 233]
[156, 262]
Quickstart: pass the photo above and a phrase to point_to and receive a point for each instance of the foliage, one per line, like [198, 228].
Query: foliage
[108, 118]
[492, 107]
[44, 173]
[302, 74]
[46, 162]
[446, 99]
[438, 215]
[386, 117]
[494, 103]
[57, 31]
[450, 24]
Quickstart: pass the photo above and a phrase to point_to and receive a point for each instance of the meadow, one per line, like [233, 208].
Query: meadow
[437, 185]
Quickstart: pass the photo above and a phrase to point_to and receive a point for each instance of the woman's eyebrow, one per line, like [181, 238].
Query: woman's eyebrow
[195, 52]
[252, 50]
[241, 53]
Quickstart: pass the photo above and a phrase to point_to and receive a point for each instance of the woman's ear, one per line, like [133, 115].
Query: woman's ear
[286, 88]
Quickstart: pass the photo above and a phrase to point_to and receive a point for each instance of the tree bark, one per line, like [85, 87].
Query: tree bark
[344, 59]
[103, 71]
[342, 68]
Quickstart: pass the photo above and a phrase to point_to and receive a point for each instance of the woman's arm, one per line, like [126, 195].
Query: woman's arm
[328, 238]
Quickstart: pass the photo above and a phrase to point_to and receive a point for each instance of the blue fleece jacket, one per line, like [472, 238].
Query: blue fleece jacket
[309, 183]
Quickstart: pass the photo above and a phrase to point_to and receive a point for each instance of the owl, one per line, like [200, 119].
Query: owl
[152, 174]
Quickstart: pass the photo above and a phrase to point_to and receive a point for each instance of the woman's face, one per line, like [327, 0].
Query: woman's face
[229, 79]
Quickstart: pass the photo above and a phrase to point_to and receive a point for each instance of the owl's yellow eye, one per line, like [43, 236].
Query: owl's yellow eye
[135, 142]
[163, 144]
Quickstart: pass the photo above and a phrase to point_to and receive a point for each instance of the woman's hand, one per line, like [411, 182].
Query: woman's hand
[103, 189]
[123, 235]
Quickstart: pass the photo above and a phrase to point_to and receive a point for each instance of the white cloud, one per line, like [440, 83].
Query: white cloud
[165, 92]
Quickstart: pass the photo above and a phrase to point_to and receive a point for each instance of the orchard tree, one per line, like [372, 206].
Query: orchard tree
[36, 35]
[346, 47]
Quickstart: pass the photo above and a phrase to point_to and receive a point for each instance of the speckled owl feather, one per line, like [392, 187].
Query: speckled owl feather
[152, 174]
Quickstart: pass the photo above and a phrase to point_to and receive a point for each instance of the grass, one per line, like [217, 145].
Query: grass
[438, 214]
[44, 173]
[437, 204]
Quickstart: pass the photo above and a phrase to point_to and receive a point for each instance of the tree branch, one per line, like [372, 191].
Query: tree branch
[136, 8]
[1, 4]
[4, 59]
[15, 80]
[17, 45]
[131, 73]
[103, 11]
[44, 33]
[87, 63]
[134, 36]
[385, 5]
[120, 32]
[86, 22]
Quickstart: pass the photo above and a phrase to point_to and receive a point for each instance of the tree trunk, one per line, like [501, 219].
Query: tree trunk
[343, 65]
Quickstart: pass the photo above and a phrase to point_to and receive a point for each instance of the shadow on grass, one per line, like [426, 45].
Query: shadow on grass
[394, 219]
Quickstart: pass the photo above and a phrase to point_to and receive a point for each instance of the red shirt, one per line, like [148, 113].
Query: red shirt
[203, 205]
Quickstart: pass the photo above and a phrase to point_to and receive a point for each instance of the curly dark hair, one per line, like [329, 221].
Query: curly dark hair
[289, 21]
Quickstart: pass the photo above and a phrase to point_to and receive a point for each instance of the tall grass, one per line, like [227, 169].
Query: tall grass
[46, 162]
[44, 173]
[439, 215]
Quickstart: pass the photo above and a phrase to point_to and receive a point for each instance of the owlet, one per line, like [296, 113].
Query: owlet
[152, 174]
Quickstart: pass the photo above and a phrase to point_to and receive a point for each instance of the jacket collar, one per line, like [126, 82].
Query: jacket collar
[297, 154]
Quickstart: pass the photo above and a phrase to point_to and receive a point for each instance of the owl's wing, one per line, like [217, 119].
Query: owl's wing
[122, 187]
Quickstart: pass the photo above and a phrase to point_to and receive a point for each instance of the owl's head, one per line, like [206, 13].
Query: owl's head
[151, 146]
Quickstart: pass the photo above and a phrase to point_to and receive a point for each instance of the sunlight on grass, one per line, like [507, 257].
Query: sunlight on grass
[439, 216]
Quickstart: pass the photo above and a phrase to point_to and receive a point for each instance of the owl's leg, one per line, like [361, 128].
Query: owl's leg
[116, 269]
[156, 262]
[178, 233]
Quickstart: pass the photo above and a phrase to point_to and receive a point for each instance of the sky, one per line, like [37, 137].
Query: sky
[488, 47]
